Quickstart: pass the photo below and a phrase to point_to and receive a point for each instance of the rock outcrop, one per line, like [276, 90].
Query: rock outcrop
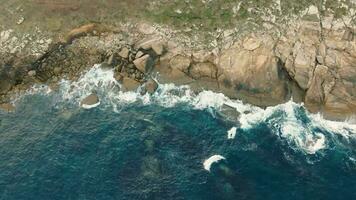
[311, 62]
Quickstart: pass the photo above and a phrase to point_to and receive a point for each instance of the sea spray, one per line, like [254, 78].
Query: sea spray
[301, 134]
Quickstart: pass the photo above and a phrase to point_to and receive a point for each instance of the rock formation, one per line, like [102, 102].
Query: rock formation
[311, 61]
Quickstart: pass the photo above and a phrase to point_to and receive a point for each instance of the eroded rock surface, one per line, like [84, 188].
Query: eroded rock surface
[312, 60]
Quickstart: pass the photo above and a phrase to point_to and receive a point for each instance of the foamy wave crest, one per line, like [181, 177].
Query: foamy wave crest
[300, 129]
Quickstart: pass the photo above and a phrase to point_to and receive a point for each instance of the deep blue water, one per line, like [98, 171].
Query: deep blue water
[49, 151]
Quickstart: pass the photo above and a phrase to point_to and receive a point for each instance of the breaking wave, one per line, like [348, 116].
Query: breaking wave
[303, 131]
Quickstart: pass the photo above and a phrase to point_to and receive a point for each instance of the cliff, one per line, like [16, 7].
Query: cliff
[262, 54]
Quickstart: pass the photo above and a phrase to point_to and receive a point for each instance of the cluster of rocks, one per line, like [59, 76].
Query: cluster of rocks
[312, 63]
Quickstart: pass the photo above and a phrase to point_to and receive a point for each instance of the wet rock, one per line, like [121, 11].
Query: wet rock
[229, 112]
[118, 77]
[90, 101]
[144, 64]
[7, 107]
[130, 84]
[151, 86]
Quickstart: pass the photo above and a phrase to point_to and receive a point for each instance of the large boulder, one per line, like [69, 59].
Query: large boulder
[90, 101]
[144, 63]
[255, 76]
[130, 84]
[180, 62]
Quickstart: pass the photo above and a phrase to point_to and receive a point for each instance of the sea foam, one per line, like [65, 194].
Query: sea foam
[213, 159]
[282, 119]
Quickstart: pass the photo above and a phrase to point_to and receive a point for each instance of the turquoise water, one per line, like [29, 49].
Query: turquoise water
[50, 148]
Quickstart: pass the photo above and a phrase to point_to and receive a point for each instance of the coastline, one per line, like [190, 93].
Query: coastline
[311, 61]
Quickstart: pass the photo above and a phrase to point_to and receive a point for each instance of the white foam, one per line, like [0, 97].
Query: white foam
[86, 106]
[231, 133]
[213, 159]
[281, 119]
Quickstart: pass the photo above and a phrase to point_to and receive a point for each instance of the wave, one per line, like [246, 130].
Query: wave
[302, 130]
[213, 159]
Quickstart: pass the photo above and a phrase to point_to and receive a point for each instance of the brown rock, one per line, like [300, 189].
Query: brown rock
[251, 44]
[201, 70]
[130, 84]
[158, 48]
[321, 85]
[139, 54]
[90, 101]
[151, 86]
[180, 62]
[144, 64]
[124, 53]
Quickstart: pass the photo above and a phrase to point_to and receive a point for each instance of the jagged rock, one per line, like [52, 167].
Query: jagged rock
[124, 53]
[321, 85]
[144, 63]
[7, 107]
[90, 101]
[254, 76]
[305, 57]
[111, 59]
[151, 86]
[229, 112]
[130, 84]
[158, 48]
[180, 62]
[139, 54]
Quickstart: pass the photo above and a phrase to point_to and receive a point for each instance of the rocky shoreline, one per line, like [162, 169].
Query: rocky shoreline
[312, 61]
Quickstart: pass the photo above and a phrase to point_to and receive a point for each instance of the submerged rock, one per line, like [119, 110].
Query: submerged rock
[7, 107]
[90, 101]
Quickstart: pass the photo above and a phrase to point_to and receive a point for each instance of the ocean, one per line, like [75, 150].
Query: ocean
[174, 144]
